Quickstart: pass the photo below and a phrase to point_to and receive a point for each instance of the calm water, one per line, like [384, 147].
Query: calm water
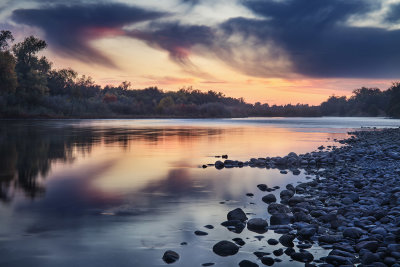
[121, 192]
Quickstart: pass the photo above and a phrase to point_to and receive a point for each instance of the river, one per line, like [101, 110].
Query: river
[121, 192]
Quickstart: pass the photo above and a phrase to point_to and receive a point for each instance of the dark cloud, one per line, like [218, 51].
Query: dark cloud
[179, 41]
[305, 37]
[69, 29]
[393, 15]
[175, 38]
[318, 41]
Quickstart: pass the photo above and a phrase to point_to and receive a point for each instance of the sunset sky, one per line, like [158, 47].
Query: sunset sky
[274, 51]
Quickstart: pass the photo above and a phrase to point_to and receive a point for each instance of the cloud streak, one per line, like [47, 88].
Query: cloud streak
[69, 29]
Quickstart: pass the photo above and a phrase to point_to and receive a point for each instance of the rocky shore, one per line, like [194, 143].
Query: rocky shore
[350, 206]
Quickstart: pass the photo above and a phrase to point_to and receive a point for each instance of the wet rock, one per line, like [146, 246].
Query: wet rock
[237, 214]
[262, 187]
[247, 263]
[301, 217]
[330, 239]
[225, 248]
[208, 264]
[272, 242]
[235, 226]
[278, 252]
[338, 260]
[269, 198]
[304, 245]
[239, 241]
[369, 258]
[353, 232]
[302, 256]
[290, 187]
[295, 200]
[267, 261]
[280, 219]
[379, 231]
[258, 225]
[219, 165]
[307, 232]
[209, 226]
[170, 256]
[368, 245]
[200, 233]
[274, 208]
[289, 251]
[287, 193]
[287, 240]
[296, 172]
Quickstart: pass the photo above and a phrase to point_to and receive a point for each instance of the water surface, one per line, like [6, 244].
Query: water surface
[121, 192]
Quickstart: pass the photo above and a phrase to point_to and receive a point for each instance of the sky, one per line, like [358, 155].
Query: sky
[268, 51]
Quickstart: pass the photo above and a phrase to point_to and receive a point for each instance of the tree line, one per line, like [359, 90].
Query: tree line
[30, 87]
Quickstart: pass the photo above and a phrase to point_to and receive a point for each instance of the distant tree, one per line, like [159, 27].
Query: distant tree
[165, 104]
[125, 85]
[334, 106]
[368, 101]
[394, 100]
[8, 77]
[109, 98]
[31, 70]
[61, 82]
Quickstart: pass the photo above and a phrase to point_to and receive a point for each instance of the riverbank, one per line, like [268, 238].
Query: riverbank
[350, 206]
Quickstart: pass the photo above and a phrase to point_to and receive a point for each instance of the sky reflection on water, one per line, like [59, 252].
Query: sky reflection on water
[119, 193]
